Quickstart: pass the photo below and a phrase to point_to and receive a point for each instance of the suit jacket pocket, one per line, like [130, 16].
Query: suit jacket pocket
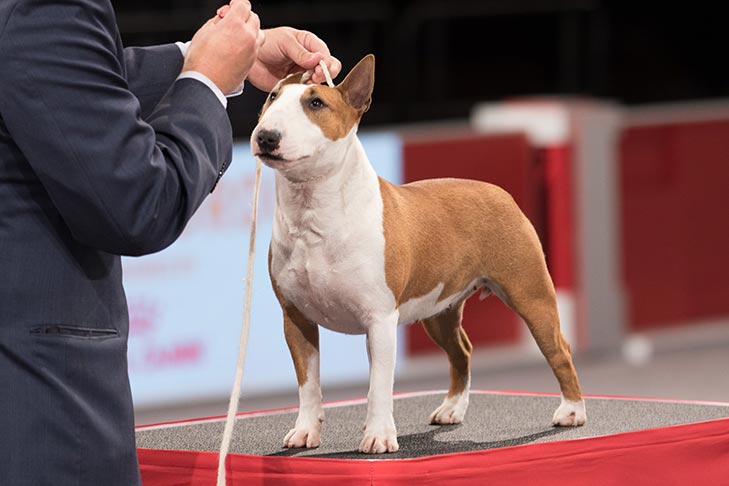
[57, 330]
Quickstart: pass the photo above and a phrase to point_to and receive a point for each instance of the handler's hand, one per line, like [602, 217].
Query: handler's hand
[287, 51]
[225, 48]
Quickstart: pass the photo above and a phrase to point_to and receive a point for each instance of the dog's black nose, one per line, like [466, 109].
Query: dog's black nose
[268, 140]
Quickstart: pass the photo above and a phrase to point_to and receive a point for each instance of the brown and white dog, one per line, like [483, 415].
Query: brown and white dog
[358, 255]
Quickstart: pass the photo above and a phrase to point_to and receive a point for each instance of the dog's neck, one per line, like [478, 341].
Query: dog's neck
[339, 176]
[337, 205]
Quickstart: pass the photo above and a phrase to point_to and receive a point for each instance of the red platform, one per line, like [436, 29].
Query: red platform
[506, 439]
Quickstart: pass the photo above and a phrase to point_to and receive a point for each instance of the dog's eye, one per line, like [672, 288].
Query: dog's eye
[316, 104]
[272, 96]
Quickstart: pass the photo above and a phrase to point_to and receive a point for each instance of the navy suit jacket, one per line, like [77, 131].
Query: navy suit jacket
[102, 153]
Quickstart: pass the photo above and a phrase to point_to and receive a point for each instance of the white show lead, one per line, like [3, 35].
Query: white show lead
[235, 394]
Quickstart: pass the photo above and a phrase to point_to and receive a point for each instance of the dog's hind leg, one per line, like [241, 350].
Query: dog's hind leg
[543, 322]
[446, 331]
[533, 297]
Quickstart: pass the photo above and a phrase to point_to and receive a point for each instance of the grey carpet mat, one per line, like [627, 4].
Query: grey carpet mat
[492, 421]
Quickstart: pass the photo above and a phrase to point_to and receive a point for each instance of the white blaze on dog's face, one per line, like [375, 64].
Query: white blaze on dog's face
[301, 122]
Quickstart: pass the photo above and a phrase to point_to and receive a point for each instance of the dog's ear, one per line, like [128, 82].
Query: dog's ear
[357, 86]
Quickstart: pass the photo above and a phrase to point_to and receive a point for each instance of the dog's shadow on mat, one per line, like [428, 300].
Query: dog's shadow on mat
[425, 444]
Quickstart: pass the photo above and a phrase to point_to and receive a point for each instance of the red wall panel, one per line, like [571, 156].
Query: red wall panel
[504, 160]
[675, 217]
[558, 234]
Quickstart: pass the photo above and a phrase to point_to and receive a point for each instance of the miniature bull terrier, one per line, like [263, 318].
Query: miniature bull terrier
[359, 255]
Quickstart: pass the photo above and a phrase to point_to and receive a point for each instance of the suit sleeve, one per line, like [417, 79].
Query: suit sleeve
[122, 184]
[151, 71]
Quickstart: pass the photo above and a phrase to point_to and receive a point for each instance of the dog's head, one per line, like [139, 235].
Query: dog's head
[299, 122]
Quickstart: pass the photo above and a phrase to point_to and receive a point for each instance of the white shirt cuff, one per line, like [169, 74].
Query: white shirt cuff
[236, 92]
[206, 81]
[183, 47]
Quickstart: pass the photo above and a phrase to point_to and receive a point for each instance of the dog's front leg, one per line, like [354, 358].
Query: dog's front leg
[380, 433]
[302, 337]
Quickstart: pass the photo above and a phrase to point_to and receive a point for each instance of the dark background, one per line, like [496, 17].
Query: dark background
[436, 59]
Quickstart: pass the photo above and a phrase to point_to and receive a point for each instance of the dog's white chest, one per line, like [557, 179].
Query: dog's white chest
[318, 284]
[328, 260]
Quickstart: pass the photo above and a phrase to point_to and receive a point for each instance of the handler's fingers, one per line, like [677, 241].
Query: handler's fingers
[254, 21]
[223, 10]
[261, 39]
[314, 44]
[311, 42]
[239, 8]
[293, 50]
[336, 67]
[333, 66]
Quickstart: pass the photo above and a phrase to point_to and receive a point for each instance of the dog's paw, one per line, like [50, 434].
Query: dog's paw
[570, 414]
[451, 411]
[379, 439]
[379, 443]
[303, 436]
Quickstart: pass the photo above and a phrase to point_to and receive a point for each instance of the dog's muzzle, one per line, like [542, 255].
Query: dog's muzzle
[268, 140]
